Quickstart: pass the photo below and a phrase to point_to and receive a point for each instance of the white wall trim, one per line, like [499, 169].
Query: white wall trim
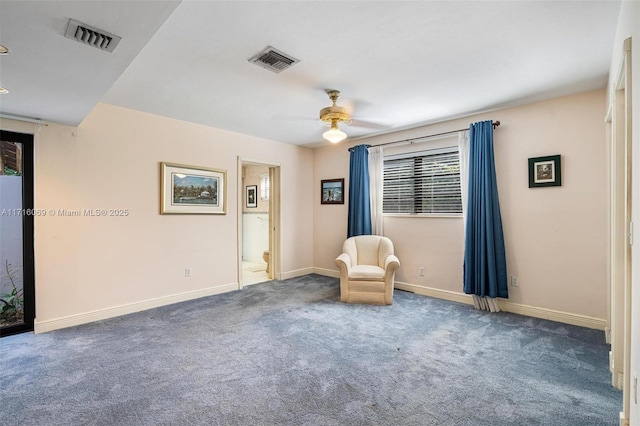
[435, 292]
[327, 272]
[531, 311]
[296, 273]
[116, 311]
[553, 315]
[516, 308]
[623, 420]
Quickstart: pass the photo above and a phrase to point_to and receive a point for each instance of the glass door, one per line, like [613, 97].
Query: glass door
[17, 298]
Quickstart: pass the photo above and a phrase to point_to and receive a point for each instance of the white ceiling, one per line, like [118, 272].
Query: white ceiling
[398, 64]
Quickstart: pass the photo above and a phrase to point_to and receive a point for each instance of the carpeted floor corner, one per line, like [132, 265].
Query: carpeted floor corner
[289, 353]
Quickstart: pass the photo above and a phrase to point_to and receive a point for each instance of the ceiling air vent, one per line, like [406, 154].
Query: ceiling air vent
[273, 60]
[91, 36]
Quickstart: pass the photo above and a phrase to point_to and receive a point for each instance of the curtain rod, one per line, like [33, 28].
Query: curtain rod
[413, 140]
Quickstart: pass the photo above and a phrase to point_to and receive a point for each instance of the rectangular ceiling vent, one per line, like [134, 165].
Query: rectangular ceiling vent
[273, 60]
[91, 36]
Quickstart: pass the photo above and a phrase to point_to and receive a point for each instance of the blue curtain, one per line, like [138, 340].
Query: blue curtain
[485, 264]
[359, 221]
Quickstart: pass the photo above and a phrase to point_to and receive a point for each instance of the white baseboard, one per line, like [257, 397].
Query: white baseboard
[435, 292]
[623, 420]
[553, 315]
[516, 308]
[116, 311]
[531, 311]
[296, 273]
[326, 272]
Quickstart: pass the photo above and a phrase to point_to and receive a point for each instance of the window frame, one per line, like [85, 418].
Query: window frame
[265, 187]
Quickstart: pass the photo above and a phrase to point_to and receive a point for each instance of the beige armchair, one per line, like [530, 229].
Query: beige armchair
[367, 270]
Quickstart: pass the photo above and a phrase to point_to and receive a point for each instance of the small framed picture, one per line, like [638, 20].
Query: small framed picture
[252, 196]
[332, 191]
[545, 171]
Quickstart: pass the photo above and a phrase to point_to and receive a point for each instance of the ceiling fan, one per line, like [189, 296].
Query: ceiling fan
[334, 114]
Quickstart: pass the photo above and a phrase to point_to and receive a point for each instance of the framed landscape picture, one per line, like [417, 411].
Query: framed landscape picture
[192, 190]
[545, 171]
[332, 191]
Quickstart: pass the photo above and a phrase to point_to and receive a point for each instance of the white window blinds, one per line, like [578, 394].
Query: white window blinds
[426, 182]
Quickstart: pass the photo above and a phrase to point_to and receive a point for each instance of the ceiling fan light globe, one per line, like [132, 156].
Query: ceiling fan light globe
[334, 135]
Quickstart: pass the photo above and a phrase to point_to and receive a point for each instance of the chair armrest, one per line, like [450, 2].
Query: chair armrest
[391, 263]
[344, 261]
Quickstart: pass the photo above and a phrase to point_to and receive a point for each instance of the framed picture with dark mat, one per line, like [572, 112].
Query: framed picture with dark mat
[545, 171]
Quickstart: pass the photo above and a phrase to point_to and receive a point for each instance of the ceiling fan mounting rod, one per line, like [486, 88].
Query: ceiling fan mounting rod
[333, 95]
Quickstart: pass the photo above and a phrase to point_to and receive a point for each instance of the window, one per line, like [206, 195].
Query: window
[264, 186]
[426, 182]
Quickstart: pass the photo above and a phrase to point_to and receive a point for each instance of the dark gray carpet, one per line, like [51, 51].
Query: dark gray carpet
[289, 353]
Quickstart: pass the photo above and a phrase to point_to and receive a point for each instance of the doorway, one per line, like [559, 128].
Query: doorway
[258, 215]
[17, 289]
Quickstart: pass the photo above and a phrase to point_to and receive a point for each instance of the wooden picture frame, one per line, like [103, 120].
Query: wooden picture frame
[545, 171]
[332, 191]
[188, 189]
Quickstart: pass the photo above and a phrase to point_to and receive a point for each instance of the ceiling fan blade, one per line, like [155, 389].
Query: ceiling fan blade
[280, 117]
[368, 124]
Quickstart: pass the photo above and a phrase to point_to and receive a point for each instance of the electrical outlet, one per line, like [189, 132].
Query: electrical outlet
[187, 272]
[514, 282]
[422, 271]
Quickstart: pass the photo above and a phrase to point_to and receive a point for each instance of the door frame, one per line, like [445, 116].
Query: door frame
[28, 264]
[621, 230]
[274, 217]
